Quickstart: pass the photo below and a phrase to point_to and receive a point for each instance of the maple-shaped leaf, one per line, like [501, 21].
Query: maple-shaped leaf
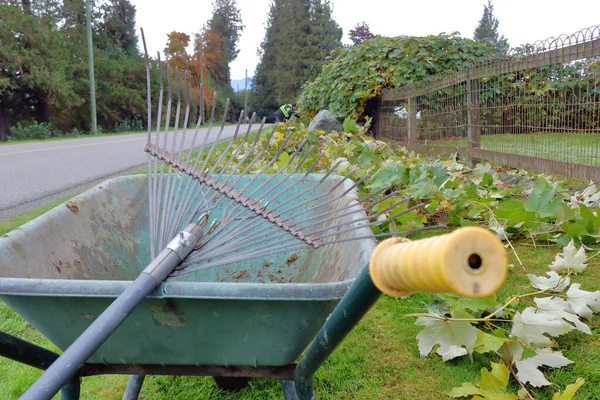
[571, 259]
[570, 390]
[486, 342]
[527, 370]
[491, 386]
[582, 302]
[531, 325]
[589, 197]
[554, 282]
[560, 307]
[455, 338]
[542, 200]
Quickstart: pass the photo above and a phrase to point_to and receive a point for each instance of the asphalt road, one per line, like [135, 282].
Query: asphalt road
[35, 173]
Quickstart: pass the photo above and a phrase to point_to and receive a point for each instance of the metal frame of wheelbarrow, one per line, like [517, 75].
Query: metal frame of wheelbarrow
[296, 379]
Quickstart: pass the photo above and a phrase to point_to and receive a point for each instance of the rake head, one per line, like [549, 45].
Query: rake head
[251, 213]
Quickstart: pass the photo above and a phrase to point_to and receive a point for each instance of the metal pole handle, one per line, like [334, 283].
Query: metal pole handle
[470, 262]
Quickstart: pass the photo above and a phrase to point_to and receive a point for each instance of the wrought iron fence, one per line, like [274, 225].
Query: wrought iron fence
[537, 108]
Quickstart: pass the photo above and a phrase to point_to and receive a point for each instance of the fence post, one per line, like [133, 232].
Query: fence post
[473, 125]
[377, 119]
[412, 121]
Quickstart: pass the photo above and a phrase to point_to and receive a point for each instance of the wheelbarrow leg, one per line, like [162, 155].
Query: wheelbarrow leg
[134, 387]
[289, 389]
[38, 357]
[356, 302]
[72, 389]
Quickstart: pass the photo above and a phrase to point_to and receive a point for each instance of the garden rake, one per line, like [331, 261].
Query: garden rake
[210, 205]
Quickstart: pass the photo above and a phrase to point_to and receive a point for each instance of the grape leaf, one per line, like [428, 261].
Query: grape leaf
[555, 282]
[588, 197]
[527, 370]
[584, 303]
[542, 200]
[486, 342]
[491, 386]
[561, 308]
[530, 326]
[570, 390]
[455, 338]
[570, 259]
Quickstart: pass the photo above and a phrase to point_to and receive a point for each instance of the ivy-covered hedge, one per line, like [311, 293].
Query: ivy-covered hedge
[360, 73]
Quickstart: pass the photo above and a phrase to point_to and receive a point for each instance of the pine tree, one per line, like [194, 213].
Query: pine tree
[226, 23]
[487, 30]
[300, 35]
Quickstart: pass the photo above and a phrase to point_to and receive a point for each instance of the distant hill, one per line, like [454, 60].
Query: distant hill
[240, 82]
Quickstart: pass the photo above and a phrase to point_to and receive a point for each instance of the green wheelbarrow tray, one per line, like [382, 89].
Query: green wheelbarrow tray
[64, 268]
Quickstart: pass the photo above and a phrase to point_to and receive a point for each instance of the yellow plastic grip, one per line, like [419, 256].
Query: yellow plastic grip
[469, 262]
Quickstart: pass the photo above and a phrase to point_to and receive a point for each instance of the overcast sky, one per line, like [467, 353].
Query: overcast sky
[521, 21]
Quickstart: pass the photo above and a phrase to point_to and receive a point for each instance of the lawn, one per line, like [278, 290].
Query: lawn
[583, 148]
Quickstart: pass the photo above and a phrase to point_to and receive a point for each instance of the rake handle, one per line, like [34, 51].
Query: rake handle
[470, 262]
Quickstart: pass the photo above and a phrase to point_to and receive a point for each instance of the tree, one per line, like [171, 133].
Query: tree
[33, 70]
[300, 35]
[226, 26]
[361, 33]
[118, 26]
[487, 30]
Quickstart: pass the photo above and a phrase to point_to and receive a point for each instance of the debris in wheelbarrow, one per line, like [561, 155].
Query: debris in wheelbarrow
[183, 326]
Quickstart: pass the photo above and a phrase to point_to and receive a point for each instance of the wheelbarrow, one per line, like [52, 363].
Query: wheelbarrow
[240, 321]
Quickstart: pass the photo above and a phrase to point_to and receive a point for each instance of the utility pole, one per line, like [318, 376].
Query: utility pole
[246, 95]
[91, 67]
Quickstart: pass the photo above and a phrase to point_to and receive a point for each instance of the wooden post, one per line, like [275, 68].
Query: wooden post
[473, 125]
[412, 121]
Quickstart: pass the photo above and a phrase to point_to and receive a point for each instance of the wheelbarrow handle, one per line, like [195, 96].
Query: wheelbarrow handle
[470, 262]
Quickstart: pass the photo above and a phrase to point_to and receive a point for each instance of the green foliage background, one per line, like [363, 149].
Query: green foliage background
[360, 73]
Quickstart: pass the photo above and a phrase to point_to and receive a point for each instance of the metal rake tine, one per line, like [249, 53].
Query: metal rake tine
[203, 199]
[291, 248]
[326, 213]
[170, 184]
[368, 224]
[154, 196]
[240, 162]
[218, 135]
[187, 195]
[273, 176]
[238, 243]
[248, 154]
[368, 217]
[232, 156]
[307, 190]
[177, 194]
[150, 159]
[162, 193]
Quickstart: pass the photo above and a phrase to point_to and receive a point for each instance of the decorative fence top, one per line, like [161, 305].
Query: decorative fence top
[554, 50]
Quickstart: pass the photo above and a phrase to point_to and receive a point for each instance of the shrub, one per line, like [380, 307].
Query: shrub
[129, 125]
[33, 131]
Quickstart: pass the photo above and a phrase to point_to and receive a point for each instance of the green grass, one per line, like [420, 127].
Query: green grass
[378, 360]
[14, 222]
[583, 148]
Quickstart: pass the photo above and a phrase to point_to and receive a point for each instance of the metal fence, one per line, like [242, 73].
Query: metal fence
[538, 108]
